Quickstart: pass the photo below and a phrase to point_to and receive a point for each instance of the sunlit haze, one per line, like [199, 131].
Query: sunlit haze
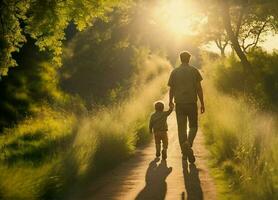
[176, 16]
[181, 18]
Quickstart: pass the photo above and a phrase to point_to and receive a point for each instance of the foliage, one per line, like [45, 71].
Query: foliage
[34, 83]
[52, 155]
[229, 78]
[98, 63]
[214, 31]
[243, 141]
[45, 22]
[31, 150]
[243, 21]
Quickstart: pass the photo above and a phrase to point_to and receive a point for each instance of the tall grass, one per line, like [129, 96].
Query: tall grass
[243, 142]
[52, 155]
[30, 150]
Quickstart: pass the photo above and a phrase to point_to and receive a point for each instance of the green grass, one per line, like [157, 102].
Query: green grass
[53, 154]
[45, 157]
[30, 150]
[242, 141]
[48, 156]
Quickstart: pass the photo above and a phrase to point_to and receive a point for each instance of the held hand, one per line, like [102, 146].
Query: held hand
[202, 109]
[171, 105]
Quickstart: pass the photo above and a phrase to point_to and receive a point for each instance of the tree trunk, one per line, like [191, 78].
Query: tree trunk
[221, 47]
[223, 52]
[228, 27]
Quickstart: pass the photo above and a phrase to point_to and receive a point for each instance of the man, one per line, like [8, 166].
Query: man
[185, 86]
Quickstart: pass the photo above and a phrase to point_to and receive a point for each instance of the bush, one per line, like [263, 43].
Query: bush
[262, 84]
[52, 154]
[49, 156]
[242, 139]
[30, 150]
[30, 85]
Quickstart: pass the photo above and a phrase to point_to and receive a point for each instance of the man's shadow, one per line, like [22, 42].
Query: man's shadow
[192, 182]
[156, 185]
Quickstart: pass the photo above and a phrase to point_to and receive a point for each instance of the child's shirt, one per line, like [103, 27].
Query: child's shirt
[158, 121]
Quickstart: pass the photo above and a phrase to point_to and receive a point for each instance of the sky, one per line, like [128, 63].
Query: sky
[171, 15]
[270, 43]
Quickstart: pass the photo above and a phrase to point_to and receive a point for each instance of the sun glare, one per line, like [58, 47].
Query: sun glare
[177, 16]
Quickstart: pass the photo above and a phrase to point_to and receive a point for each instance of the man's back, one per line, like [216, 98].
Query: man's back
[185, 86]
[183, 81]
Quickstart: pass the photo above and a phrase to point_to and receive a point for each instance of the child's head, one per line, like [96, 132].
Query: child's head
[159, 106]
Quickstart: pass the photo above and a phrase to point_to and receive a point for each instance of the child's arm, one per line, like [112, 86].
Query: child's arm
[171, 108]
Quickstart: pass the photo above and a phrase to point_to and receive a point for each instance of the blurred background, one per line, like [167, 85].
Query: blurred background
[79, 78]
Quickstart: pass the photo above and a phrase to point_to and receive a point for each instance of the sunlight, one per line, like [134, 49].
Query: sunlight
[176, 16]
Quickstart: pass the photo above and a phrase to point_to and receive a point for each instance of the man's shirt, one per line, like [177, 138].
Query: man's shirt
[183, 81]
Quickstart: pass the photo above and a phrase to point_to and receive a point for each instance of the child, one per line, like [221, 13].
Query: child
[158, 126]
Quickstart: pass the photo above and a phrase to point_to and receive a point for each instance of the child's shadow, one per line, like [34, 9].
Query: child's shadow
[156, 185]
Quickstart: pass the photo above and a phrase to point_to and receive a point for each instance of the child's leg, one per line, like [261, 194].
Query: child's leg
[164, 138]
[157, 140]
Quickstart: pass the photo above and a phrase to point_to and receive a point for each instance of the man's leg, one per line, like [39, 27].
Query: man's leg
[182, 125]
[193, 123]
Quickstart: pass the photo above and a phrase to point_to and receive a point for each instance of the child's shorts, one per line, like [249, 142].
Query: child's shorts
[161, 137]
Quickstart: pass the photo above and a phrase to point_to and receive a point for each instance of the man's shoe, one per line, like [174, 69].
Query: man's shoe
[187, 150]
[164, 154]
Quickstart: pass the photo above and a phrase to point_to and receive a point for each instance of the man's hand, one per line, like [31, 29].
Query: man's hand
[171, 104]
[202, 108]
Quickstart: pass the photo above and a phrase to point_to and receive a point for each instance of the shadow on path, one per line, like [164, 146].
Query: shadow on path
[156, 186]
[192, 182]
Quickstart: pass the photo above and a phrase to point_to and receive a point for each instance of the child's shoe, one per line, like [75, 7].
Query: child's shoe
[157, 154]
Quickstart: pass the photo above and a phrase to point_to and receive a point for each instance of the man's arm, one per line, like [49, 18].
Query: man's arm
[171, 92]
[171, 97]
[201, 96]
[151, 126]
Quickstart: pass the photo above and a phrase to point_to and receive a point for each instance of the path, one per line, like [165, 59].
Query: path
[143, 178]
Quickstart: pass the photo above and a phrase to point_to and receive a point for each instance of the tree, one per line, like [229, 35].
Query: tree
[232, 34]
[44, 21]
[254, 27]
[213, 31]
[244, 22]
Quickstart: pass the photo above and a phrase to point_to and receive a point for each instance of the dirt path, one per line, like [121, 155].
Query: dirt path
[143, 178]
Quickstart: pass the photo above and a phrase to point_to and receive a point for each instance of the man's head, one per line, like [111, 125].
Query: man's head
[159, 106]
[185, 57]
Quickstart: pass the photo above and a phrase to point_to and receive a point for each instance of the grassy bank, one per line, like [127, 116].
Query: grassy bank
[31, 151]
[242, 140]
[52, 154]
